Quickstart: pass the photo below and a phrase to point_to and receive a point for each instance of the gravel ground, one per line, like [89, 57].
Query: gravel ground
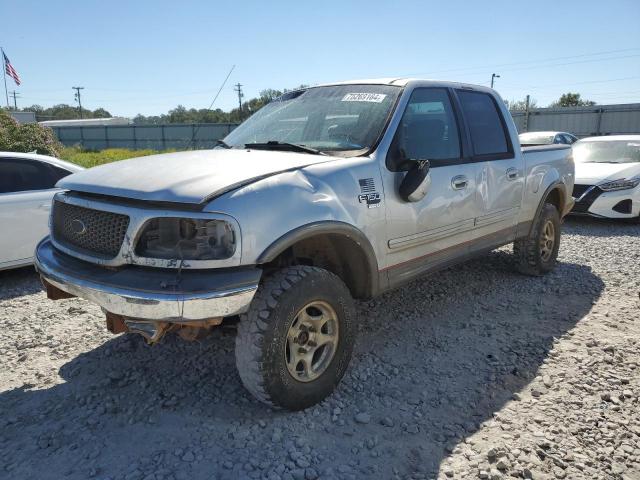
[475, 372]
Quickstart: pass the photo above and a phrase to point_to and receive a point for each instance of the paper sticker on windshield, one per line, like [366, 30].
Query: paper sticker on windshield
[364, 97]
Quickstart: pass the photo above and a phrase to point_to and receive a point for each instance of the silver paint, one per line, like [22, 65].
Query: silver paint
[266, 194]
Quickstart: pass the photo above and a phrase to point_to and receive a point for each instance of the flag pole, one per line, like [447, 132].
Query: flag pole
[4, 74]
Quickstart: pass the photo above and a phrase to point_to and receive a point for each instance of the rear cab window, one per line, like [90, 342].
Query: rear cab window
[487, 128]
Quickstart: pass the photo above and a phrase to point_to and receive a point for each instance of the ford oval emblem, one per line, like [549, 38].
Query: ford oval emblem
[78, 227]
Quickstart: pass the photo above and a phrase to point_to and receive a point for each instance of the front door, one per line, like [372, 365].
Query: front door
[431, 232]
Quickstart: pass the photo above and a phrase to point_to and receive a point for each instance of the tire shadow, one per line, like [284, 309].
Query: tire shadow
[434, 360]
[18, 282]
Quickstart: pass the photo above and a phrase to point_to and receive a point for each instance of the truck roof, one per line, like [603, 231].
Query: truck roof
[404, 81]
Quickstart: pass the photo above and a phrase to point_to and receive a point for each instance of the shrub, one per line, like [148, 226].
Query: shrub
[88, 158]
[29, 137]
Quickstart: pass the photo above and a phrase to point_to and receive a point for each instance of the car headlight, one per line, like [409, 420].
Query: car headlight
[186, 239]
[621, 184]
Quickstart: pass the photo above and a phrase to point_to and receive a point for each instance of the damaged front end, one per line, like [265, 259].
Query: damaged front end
[150, 301]
[154, 331]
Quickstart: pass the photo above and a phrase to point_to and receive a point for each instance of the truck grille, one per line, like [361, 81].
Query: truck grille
[90, 231]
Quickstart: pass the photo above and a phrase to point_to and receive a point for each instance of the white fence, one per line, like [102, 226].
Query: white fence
[581, 121]
[178, 136]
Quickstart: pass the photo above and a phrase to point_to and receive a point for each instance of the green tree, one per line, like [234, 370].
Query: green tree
[63, 111]
[28, 137]
[571, 100]
[100, 113]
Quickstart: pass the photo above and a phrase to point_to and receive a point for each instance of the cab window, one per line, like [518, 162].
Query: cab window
[488, 132]
[428, 131]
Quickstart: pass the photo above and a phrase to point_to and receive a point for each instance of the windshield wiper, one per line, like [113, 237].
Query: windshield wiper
[222, 143]
[289, 146]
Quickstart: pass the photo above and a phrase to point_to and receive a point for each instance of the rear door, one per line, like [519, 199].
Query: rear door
[435, 230]
[502, 168]
[26, 191]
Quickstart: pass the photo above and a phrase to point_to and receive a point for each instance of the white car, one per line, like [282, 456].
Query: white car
[530, 139]
[27, 186]
[607, 176]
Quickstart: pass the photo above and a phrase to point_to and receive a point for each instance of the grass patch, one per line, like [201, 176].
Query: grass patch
[89, 158]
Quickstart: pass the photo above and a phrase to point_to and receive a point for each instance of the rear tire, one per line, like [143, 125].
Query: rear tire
[537, 254]
[295, 342]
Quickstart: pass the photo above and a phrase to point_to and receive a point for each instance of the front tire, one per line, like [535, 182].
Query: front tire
[295, 342]
[537, 253]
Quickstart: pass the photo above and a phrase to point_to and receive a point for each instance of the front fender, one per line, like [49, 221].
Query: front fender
[307, 201]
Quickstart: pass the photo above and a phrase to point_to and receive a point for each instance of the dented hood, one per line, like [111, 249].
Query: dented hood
[186, 177]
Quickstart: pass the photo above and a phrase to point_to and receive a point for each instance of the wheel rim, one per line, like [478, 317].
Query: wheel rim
[547, 241]
[312, 340]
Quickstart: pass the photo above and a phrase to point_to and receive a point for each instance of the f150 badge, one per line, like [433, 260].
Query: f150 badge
[368, 193]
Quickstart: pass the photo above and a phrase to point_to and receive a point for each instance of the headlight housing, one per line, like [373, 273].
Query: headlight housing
[186, 239]
[621, 184]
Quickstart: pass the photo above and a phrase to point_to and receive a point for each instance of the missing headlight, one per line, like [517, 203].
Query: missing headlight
[187, 239]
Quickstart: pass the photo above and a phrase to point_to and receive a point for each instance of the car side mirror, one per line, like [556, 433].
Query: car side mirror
[416, 182]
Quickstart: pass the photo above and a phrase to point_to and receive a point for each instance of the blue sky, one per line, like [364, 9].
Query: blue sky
[149, 56]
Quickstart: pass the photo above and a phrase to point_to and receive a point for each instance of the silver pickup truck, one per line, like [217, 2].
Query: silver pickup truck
[327, 194]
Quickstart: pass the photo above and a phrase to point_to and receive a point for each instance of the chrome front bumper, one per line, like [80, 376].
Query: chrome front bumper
[151, 293]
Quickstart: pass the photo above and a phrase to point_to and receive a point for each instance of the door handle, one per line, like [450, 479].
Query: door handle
[512, 173]
[459, 182]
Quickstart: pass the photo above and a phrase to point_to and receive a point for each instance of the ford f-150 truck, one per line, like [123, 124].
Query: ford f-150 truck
[326, 194]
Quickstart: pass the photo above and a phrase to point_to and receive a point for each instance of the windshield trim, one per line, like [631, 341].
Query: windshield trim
[387, 122]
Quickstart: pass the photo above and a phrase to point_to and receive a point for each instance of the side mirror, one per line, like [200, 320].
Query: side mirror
[416, 182]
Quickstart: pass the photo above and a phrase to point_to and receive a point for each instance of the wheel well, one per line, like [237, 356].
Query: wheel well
[336, 253]
[556, 198]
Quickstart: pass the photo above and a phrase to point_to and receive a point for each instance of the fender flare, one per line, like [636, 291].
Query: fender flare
[557, 185]
[327, 227]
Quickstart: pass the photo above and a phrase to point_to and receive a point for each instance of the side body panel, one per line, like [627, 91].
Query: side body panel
[24, 217]
[546, 168]
[408, 239]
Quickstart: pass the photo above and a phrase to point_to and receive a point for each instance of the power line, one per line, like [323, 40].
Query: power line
[485, 68]
[571, 84]
[193, 137]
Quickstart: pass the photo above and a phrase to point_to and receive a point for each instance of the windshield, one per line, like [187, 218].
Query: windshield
[345, 119]
[608, 151]
[536, 139]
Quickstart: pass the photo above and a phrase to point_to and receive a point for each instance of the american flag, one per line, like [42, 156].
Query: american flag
[10, 70]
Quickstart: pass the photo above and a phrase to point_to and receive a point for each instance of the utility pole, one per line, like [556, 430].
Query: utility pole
[526, 114]
[77, 98]
[493, 76]
[240, 95]
[14, 94]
